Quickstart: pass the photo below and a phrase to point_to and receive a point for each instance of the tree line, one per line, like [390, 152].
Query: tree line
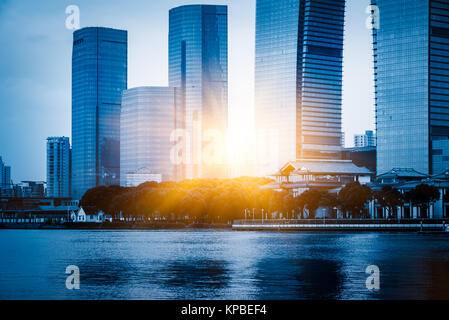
[222, 201]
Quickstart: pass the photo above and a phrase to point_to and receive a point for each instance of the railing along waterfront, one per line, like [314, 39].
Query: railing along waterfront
[344, 224]
[341, 221]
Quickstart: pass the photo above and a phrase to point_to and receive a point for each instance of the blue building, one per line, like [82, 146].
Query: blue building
[298, 80]
[58, 167]
[146, 126]
[411, 56]
[198, 68]
[367, 139]
[5, 175]
[99, 75]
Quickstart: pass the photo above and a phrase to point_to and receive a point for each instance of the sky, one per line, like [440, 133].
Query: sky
[35, 68]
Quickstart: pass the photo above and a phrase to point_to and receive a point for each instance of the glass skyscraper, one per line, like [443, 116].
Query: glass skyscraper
[5, 175]
[411, 56]
[367, 139]
[146, 125]
[198, 68]
[99, 75]
[58, 167]
[298, 80]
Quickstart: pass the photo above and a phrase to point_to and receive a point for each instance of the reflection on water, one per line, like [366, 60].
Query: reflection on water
[197, 273]
[209, 264]
[97, 271]
[303, 278]
[320, 279]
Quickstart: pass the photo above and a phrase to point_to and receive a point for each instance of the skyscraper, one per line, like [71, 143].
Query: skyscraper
[58, 167]
[198, 68]
[146, 125]
[411, 59]
[367, 139]
[5, 174]
[298, 80]
[99, 75]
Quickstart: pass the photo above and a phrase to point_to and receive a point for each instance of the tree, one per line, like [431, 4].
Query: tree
[262, 200]
[422, 196]
[100, 198]
[124, 203]
[353, 199]
[227, 204]
[207, 200]
[330, 201]
[289, 204]
[389, 198]
[193, 205]
[148, 201]
[310, 199]
[276, 201]
[300, 203]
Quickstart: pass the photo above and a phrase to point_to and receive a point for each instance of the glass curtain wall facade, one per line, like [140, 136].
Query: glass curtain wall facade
[298, 80]
[368, 139]
[5, 175]
[99, 75]
[2, 173]
[147, 122]
[58, 167]
[411, 57]
[439, 85]
[198, 68]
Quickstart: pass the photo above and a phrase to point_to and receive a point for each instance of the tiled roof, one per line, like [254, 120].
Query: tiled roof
[90, 210]
[442, 175]
[402, 173]
[319, 166]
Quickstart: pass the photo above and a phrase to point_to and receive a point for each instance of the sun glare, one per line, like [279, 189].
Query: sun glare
[240, 143]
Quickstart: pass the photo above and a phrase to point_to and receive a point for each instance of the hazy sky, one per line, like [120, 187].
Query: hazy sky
[35, 67]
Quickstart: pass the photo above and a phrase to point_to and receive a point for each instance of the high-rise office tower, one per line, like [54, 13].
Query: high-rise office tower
[367, 139]
[99, 75]
[146, 126]
[411, 59]
[5, 174]
[198, 68]
[58, 167]
[298, 80]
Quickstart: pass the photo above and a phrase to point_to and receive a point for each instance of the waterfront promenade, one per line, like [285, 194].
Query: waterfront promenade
[438, 225]
[349, 225]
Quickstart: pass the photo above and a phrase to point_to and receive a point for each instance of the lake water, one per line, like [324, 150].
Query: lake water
[223, 264]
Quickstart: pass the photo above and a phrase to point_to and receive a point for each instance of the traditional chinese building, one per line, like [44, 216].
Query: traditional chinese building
[301, 175]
